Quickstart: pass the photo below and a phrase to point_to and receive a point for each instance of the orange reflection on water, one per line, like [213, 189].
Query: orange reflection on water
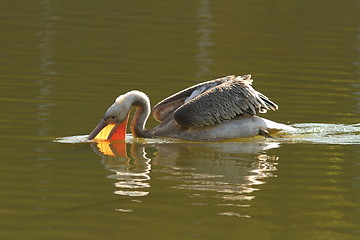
[131, 171]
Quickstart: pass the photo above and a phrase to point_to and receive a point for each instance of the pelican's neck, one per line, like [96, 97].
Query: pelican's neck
[142, 104]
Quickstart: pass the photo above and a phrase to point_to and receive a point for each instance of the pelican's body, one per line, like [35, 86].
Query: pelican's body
[240, 127]
[216, 110]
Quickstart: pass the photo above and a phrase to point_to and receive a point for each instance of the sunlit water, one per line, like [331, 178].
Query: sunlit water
[62, 64]
[226, 178]
[327, 133]
[129, 181]
[132, 168]
[303, 132]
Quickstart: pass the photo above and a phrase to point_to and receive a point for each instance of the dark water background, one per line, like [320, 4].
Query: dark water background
[62, 63]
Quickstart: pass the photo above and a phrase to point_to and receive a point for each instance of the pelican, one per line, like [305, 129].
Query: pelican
[216, 110]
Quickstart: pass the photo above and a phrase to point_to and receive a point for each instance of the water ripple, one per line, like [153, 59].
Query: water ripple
[325, 133]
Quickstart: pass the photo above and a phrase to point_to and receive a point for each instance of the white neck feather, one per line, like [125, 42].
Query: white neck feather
[142, 103]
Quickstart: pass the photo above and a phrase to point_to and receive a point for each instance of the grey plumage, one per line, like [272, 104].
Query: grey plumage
[171, 103]
[213, 102]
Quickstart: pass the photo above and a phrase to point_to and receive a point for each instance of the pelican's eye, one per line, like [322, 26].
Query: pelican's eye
[111, 119]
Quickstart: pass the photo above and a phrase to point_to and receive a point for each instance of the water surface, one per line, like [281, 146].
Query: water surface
[62, 63]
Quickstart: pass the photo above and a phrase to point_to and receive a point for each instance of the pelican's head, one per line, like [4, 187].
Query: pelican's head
[113, 125]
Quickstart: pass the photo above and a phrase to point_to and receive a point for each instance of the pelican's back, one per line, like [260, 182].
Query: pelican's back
[213, 102]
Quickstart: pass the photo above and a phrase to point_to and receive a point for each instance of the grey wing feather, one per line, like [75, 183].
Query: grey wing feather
[223, 102]
[167, 106]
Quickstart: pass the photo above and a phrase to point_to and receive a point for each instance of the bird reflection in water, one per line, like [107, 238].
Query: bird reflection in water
[130, 170]
[229, 172]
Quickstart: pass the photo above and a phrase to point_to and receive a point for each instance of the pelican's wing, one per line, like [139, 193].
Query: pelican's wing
[170, 104]
[223, 102]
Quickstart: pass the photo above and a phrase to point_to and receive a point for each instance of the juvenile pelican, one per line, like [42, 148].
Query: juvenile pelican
[216, 110]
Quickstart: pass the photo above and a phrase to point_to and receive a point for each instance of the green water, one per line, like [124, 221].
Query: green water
[62, 63]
